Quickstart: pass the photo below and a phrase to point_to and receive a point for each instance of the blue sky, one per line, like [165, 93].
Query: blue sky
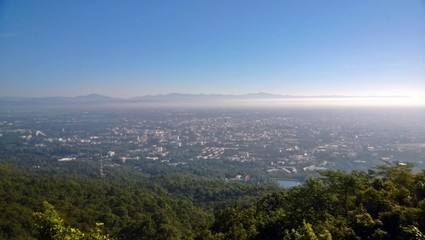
[135, 48]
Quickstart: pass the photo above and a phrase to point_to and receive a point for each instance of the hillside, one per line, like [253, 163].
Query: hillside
[385, 203]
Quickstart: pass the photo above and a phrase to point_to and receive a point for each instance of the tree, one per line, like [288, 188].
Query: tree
[305, 232]
[50, 226]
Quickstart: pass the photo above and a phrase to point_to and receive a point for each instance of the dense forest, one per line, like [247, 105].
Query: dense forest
[384, 203]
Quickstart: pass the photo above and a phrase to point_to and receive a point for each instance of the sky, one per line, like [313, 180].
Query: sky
[136, 48]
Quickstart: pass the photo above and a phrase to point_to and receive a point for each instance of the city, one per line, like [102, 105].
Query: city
[284, 143]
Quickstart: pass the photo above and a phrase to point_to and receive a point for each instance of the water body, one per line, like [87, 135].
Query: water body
[287, 183]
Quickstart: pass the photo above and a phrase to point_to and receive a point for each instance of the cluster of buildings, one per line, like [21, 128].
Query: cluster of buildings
[289, 142]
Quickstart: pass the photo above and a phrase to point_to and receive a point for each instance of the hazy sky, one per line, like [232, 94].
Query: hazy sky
[133, 48]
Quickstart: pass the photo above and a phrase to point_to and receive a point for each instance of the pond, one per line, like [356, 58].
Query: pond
[288, 183]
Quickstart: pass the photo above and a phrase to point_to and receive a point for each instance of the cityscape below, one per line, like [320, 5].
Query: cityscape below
[282, 143]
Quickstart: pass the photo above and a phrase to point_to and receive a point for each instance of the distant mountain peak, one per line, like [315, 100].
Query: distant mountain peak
[94, 96]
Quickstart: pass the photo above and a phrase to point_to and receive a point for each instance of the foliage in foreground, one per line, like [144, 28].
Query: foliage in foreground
[49, 226]
[129, 204]
[386, 203]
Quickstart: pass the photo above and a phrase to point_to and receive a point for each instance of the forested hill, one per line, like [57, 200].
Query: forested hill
[129, 204]
[385, 203]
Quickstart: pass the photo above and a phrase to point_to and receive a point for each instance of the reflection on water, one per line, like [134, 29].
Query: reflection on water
[288, 183]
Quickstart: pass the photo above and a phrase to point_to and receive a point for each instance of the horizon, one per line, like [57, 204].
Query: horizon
[212, 94]
[248, 100]
[138, 48]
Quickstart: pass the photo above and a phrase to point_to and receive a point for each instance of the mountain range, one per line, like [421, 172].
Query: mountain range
[173, 99]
